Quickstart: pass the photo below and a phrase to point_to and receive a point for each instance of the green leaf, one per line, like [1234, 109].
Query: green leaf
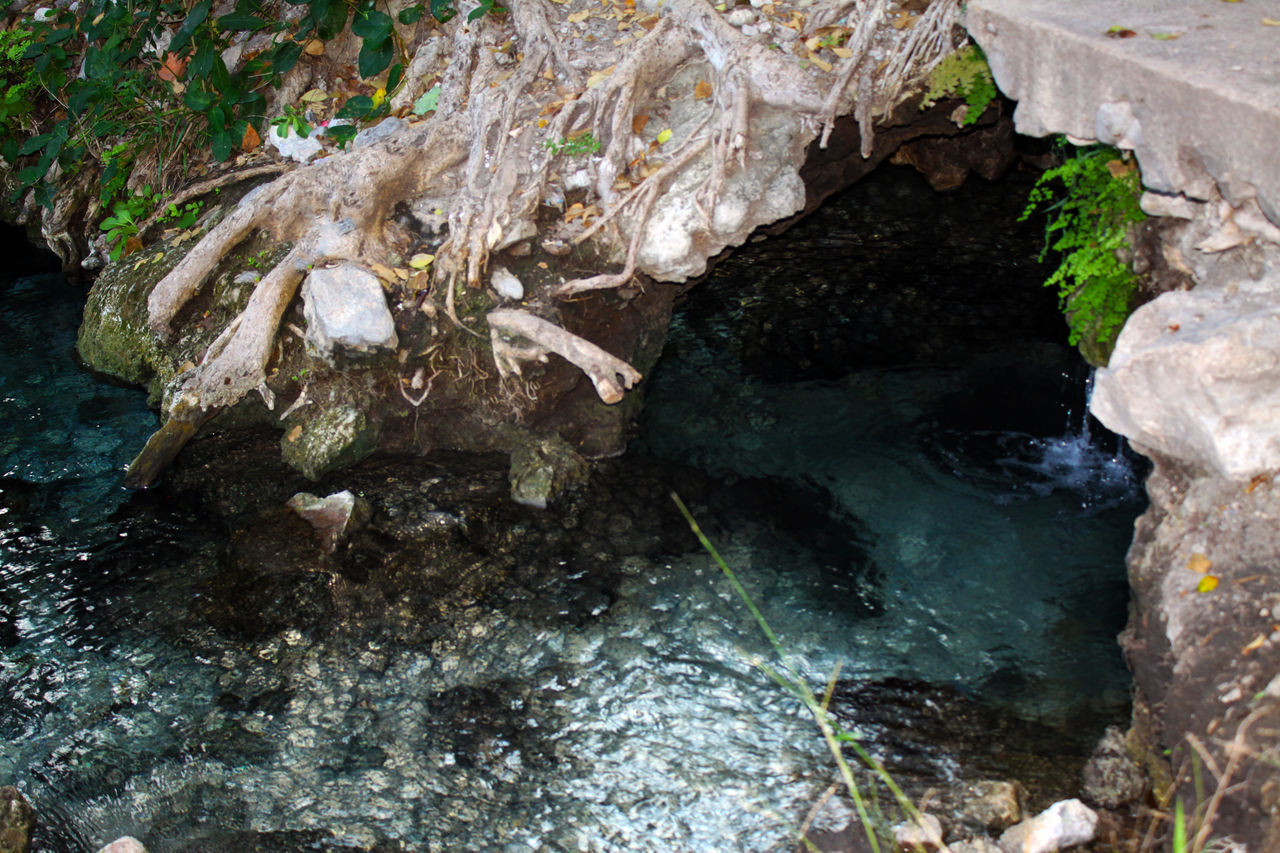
[197, 16]
[442, 10]
[479, 11]
[428, 101]
[342, 134]
[222, 144]
[35, 143]
[356, 107]
[371, 25]
[395, 76]
[240, 22]
[197, 100]
[334, 20]
[285, 56]
[374, 59]
[412, 15]
[202, 63]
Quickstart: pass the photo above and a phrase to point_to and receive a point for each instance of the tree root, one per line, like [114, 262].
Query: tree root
[518, 336]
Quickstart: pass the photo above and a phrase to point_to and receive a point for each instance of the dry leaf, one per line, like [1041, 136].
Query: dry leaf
[599, 77]
[315, 47]
[312, 96]
[383, 271]
[579, 17]
[1270, 22]
[702, 90]
[401, 273]
[1119, 32]
[638, 122]
[1199, 563]
[1259, 480]
[1254, 644]
[294, 434]
[821, 63]
[251, 139]
[842, 52]
[1119, 168]
[904, 20]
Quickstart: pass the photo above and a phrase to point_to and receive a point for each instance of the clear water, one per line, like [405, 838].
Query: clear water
[951, 541]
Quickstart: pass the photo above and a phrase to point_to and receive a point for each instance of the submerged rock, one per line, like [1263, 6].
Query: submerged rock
[542, 469]
[127, 844]
[335, 437]
[334, 518]
[17, 821]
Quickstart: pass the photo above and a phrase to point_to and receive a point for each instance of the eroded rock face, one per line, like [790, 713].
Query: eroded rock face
[1194, 376]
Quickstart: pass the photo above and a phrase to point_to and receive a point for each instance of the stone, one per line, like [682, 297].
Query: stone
[542, 469]
[293, 146]
[973, 845]
[335, 437]
[506, 284]
[344, 306]
[1111, 778]
[741, 17]
[17, 821]
[1064, 824]
[334, 518]
[384, 129]
[1195, 376]
[127, 844]
[924, 832]
[990, 804]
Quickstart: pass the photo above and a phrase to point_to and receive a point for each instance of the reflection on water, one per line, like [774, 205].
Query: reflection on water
[897, 482]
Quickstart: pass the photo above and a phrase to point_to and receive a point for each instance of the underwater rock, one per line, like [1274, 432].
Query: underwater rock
[127, 844]
[334, 518]
[17, 821]
[1064, 824]
[987, 805]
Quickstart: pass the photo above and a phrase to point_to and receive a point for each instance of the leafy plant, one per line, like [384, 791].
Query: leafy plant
[293, 119]
[579, 145]
[963, 74]
[1092, 199]
[122, 224]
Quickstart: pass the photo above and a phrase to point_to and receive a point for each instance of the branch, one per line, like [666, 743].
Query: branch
[519, 336]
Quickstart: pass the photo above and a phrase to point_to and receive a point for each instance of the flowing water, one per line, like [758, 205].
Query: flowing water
[874, 416]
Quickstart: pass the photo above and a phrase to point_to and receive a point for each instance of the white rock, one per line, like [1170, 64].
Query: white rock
[1064, 824]
[973, 845]
[344, 304]
[1196, 376]
[44, 13]
[506, 284]
[334, 518]
[741, 17]
[923, 832]
[127, 844]
[293, 146]
[389, 126]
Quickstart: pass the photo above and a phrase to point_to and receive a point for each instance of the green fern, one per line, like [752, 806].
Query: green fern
[963, 74]
[1092, 200]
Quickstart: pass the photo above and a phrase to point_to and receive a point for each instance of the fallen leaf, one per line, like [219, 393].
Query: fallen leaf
[821, 63]
[1270, 22]
[1254, 644]
[383, 271]
[251, 139]
[638, 122]
[579, 17]
[421, 261]
[842, 52]
[1119, 32]
[1165, 36]
[701, 90]
[1208, 583]
[664, 137]
[312, 96]
[1199, 563]
[599, 77]
[315, 47]
[401, 273]
[1119, 168]
[904, 20]
[294, 434]
[1259, 480]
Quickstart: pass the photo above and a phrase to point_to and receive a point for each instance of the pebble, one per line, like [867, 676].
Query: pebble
[1064, 824]
[741, 17]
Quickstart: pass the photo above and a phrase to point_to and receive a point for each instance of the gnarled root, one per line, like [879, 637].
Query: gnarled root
[518, 336]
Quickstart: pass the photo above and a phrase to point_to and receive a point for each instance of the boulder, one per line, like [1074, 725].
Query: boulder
[17, 821]
[334, 518]
[1196, 376]
[317, 444]
[1064, 824]
[344, 306]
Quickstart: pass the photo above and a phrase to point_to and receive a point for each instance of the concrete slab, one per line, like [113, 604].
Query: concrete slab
[1194, 91]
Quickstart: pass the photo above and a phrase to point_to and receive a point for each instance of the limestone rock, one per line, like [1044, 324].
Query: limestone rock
[17, 821]
[334, 518]
[990, 804]
[344, 305]
[1111, 777]
[542, 469]
[1064, 824]
[294, 146]
[335, 437]
[506, 284]
[1196, 376]
[127, 844]
[973, 845]
[922, 833]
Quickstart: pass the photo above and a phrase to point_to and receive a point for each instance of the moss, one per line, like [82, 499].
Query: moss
[334, 438]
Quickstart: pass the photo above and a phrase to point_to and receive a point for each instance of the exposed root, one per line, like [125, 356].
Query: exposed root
[518, 336]
[205, 187]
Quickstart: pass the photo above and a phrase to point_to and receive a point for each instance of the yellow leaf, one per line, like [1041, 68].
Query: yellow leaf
[821, 63]
[599, 77]
[1208, 583]
[383, 271]
[579, 17]
[312, 96]
[401, 273]
[842, 52]
[664, 137]
[1270, 22]
[1199, 563]
[315, 47]
[379, 96]
[702, 90]
[421, 261]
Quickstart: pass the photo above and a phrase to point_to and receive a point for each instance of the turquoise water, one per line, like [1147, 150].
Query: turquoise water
[903, 483]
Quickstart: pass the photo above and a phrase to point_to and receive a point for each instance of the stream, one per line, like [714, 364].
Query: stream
[877, 421]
